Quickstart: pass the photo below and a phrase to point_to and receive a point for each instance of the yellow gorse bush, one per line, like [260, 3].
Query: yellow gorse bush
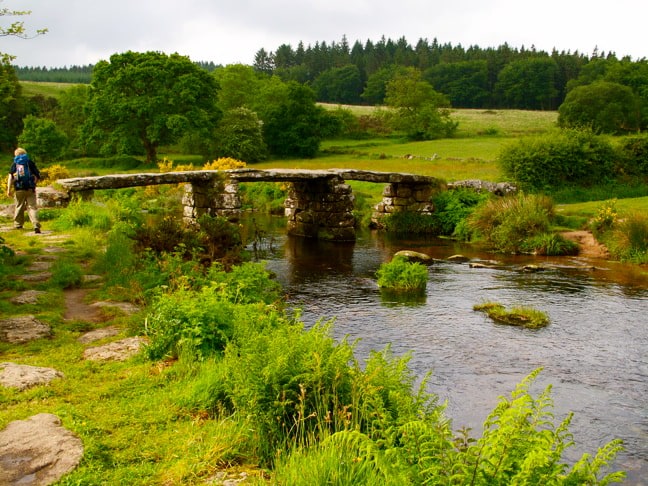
[224, 163]
[52, 173]
[166, 165]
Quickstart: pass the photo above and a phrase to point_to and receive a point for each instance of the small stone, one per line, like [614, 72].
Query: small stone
[413, 255]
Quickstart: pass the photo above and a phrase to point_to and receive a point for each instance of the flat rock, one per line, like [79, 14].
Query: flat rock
[98, 334]
[24, 376]
[413, 255]
[116, 351]
[35, 277]
[458, 258]
[37, 451]
[18, 330]
[27, 297]
[39, 266]
[125, 307]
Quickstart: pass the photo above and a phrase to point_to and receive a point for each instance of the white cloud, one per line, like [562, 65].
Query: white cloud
[230, 31]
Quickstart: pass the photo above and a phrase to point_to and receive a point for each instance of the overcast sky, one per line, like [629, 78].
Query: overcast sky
[231, 31]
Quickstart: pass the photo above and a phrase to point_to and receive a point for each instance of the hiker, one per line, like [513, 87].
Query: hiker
[23, 176]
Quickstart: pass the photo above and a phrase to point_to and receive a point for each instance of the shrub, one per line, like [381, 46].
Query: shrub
[606, 217]
[224, 163]
[634, 156]
[517, 316]
[568, 157]
[409, 222]
[52, 173]
[507, 222]
[266, 197]
[401, 275]
[453, 207]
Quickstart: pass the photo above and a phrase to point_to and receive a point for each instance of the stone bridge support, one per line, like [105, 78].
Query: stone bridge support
[321, 208]
[216, 197]
[402, 197]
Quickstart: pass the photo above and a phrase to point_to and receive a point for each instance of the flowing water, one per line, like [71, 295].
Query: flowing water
[594, 351]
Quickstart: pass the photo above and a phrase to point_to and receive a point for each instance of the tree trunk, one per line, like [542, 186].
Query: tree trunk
[151, 152]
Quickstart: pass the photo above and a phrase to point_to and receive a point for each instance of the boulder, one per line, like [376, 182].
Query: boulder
[24, 376]
[413, 256]
[27, 297]
[116, 351]
[48, 197]
[18, 330]
[37, 451]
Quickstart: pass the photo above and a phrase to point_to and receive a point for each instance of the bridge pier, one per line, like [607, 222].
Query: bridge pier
[216, 197]
[321, 208]
[404, 196]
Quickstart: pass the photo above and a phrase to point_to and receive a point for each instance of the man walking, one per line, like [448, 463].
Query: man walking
[23, 176]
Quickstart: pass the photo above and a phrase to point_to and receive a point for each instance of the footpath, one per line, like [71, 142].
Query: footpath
[38, 450]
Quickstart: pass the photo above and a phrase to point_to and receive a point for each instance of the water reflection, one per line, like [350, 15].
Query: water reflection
[594, 351]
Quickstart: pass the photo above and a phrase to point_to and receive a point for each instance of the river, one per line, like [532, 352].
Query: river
[594, 351]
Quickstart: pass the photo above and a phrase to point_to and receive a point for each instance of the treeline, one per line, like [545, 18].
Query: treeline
[73, 74]
[473, 77]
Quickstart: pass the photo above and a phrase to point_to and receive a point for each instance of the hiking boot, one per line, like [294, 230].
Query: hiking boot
[37, 230]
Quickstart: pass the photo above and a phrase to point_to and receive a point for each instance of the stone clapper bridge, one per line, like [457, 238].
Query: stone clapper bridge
[319, 203]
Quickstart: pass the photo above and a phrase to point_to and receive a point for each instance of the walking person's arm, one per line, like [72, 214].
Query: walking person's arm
[9, 184]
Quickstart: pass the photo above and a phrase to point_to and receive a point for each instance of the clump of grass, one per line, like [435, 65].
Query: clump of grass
[517, 316]
[550, 244]
[629, 238]
[506, 223]
[401, 275]
[66, 273]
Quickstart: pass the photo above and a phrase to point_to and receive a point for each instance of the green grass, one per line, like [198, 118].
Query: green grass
[517, 316]
[33, 88]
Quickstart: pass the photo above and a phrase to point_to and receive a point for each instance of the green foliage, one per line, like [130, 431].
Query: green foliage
[43, 139]
[549, 244]
[603, 107]
[66, 273]
[239, 135]
[521, 445]
[464, 82]
[291, 127]
[409, 222]
[571, 157]
[517, 316]
[267, 197]
[628, 239]
[402, 276]
[634, 156]
[10, 107]
[528, 84]
[339, 85]
[507, 222]
[140, 101]
[199, 323]
[453, 207]
[421, 112]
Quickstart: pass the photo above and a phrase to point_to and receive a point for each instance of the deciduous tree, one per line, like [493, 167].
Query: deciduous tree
[148, 100]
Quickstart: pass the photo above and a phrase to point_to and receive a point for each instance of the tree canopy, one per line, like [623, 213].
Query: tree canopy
[144, 100]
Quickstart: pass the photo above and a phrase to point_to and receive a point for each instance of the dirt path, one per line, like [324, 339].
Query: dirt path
[77, 310]
[589, 247]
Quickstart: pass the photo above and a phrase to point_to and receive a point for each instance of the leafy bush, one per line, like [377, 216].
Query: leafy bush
[634, 156]
[453, 207]
[602, 106]
[507, 222]
[409, 222]
[200, 323]
[402, 276]
[568, 157]
[520, 444]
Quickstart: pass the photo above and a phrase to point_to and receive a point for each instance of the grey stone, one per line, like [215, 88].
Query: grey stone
[116, 351]
[27, 297]
[98, 334]
[24, 376]
[18, 330]
[413, 256]
[37, 451]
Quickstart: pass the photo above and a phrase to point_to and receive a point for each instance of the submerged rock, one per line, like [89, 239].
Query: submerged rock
[413, 256]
